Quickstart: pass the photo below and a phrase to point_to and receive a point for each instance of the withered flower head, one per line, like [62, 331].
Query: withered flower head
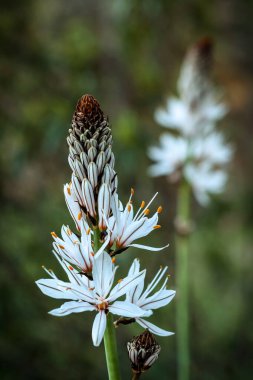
[143, 351]
[194, 82]
[91, 159]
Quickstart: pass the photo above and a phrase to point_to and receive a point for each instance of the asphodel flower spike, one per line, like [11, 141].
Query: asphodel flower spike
[91, 159]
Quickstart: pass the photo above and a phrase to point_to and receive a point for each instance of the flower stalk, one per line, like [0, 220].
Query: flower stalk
[110, 343]
[182, 256]
[111, 350]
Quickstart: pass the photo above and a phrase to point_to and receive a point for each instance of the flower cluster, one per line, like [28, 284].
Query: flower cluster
[104, 229]
[193, 150]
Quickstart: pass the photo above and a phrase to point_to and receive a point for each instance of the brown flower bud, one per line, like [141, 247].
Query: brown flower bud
[143, 351]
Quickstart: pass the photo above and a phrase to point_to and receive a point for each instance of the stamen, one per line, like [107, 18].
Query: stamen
[129, 207]
[71, 268]
[156, 227]
[120, 280]
[113, 260]
[92, 254]
[69, 232]
[68, 190]
[142, 204]
[160, 209]
[132, 191]
[88, 231]
[79, 216]
[146, 212]
[61, 246]
[54, 234]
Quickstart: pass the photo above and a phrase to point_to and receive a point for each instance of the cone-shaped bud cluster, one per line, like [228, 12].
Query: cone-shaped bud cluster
[91, 160]
[194, 83]
[143, 351]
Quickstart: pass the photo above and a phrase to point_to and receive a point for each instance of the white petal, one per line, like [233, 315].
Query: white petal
[72, 307]
[148, 248]
[98, 328]
[103, 272]
[125, 285]
[56, 289]
[153, 328]
[126, 309]
[157, 300]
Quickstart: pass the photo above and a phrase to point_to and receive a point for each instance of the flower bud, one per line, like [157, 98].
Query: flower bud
[90, 155]
[143, 351]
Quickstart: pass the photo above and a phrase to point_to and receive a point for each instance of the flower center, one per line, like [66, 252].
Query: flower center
[102, 305]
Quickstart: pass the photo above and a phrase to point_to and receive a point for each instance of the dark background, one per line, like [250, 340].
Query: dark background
[127, 54]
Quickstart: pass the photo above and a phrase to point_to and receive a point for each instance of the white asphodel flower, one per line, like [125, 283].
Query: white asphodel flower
[200, 160]
[179, 116]
[147, 301]
[124, 227]
[169, 156]
[205, 181]
[77, 251]
[96, 295]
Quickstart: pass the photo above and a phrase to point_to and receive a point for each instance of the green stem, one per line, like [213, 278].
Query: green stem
[182, 254]
[111, 350]
[136, 375]
[109, 336]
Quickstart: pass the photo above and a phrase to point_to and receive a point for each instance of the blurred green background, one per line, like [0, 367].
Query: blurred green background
[127, 54]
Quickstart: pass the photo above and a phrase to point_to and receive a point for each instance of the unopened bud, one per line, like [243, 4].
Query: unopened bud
[143, 351]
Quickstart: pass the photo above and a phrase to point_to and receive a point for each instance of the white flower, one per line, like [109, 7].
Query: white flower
[97, 295]
[77, 251]
[205, 181]
[169, 156]
[199, 160]
[148, 302]
[124, 227]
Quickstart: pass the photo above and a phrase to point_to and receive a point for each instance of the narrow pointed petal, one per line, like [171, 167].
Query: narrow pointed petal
[72, 307]
[56, 289]
[157, 300]
[98, 328]
[103, 271]
[153, 328]
[125, 285]
[148, 248]
[126, 309]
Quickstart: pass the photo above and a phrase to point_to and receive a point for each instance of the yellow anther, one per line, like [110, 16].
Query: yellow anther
[156, 227]
[132, 191]
[54, 234]
[88, 231]
[142, 204]
[113, 260]
[69, 232]
[146, 212]
[160, 209]
[120, 280]
[68, 190]
[79, 216]
[129, 207]
[61, 246]
[71, 268]
[92, 254]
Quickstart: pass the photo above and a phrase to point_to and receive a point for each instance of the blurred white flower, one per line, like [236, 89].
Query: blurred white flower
[142, 298]
[198, 153]
[96, 295]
